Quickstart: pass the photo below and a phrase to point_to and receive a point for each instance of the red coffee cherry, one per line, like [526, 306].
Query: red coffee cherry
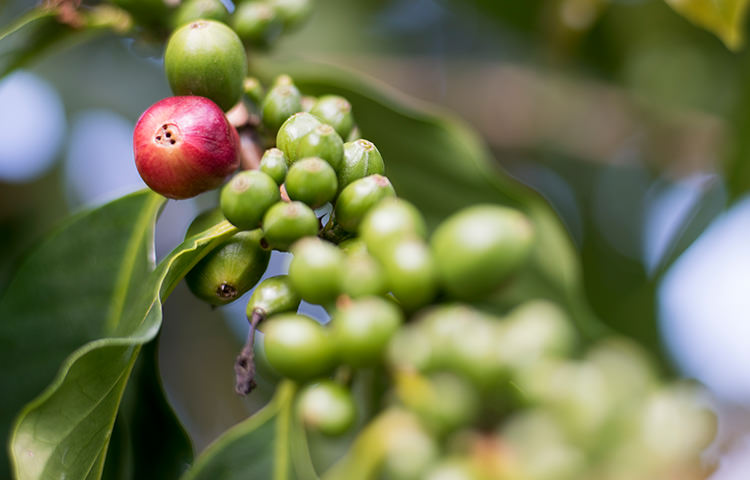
[185, 146]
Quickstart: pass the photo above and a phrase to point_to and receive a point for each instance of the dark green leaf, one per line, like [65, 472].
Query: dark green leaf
[74, 319]
[268, 445]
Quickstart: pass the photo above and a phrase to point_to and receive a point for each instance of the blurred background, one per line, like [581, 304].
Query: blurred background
[633, 123]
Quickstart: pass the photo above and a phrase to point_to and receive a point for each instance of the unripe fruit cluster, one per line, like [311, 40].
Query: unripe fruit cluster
[397, 292]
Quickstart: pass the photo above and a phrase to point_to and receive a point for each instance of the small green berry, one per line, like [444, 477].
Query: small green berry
[390, 220]
[206, 58]
[256, 23]
[362, 329]
[410, 270]
[358, 198]
[274, 164]
[297, 346]
[294, 128]
[286, 222]
[311, 181]
[230, 270]
[335, 111]
[191, 10]
[204, 221]
[327, 407]
[315, 271]
[273, 295]
[478, 248]
[323, 142]
[363, 275]
[361, 158]
[281, 102]
[254, 90]
[292, 12]
[246, 197]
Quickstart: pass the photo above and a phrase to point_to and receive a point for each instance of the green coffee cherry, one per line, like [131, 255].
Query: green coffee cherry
[464, 340]
[362, 329]
[358, 198]
[254, 90]
[272, 296]
[256, 23]
[353, 246]
[274, 164]
[191, 10]
[311, 181]
[323, 142]
[362, 275]
[206, 58]
[292, 130]
[445, 402]
[335, 111]
[247, 196]
[297, 346]
[389, 220]
[315, 271]
[327, 407]
[477, 249]
[361, 158]
[410, 270]
[230, 270]
[286, 222]
[281, 102]
[308, 102]
[292, 12]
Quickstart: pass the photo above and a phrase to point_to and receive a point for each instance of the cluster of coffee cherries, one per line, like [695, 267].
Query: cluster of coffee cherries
[454, 392]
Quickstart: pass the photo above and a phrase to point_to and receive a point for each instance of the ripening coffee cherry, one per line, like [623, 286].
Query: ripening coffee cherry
[192, 10]
[246, 198]
[230, 270]
[410, 270]
[358, 198]
[273, 295]
[292, 12]
[256, 23]
[297, 346]
[362, 329]
[361, 158]
[327, 407]
[286, 222]
[315, 271]
[292, 130]
[311, 181]
[478, 248]
[323, 142]
[335, 111]
[389, 220]
[281, 102]
[206, 58]
[362, 275]
[274, 164]
[185, 146]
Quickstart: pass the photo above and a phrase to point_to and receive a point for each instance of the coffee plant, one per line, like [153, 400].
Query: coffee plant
[455, 344]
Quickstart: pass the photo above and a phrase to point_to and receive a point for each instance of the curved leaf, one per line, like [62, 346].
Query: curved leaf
[268, 445]
[86, 298]
[441, 166]
[725, 18]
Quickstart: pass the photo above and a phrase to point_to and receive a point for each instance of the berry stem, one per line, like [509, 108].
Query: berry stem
[244, 366]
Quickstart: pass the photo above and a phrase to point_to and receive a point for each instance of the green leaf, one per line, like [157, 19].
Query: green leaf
[74, 319]
[725, 18]
[148, 441]
[440, 165]
[269, 445]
